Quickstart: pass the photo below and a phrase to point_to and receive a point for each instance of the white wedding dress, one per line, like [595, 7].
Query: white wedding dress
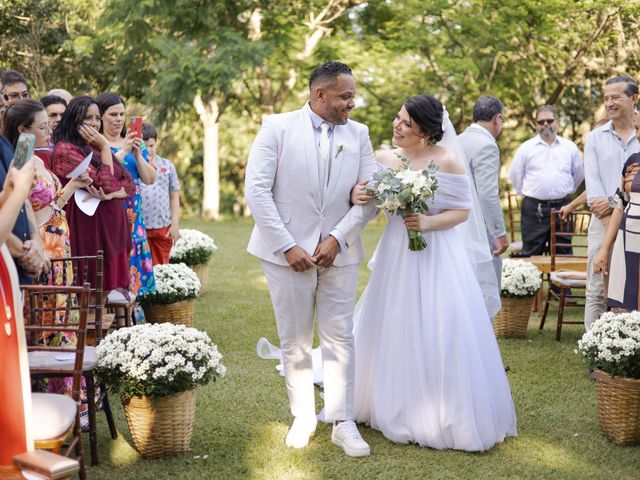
[428, 368]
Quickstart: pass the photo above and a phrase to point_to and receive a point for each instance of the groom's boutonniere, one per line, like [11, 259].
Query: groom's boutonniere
[340, 149]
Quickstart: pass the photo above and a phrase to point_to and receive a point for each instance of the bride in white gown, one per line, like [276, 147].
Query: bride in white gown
[428, 367]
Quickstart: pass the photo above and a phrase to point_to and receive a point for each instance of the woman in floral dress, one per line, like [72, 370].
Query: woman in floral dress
[48, 197]
[131, 153]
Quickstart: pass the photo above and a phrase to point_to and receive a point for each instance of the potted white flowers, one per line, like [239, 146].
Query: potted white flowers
[195, 249]
[612, 348]
[177, 286]
[156, 369]
[520, 283]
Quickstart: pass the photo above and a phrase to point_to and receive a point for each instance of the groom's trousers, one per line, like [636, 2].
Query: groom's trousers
[296, 297]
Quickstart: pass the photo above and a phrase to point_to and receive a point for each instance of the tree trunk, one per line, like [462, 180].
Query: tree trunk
[209, 113]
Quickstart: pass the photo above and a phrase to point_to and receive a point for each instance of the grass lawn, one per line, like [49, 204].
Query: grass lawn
[242, 420]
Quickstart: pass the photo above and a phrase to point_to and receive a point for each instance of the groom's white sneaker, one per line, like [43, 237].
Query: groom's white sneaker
[346, 435]
[300, 432]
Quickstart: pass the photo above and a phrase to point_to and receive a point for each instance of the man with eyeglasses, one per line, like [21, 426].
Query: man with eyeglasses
[605, 153]
[546, 170]
[14, 86]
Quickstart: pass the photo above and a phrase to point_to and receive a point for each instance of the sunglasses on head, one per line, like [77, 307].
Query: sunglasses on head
[548, 121]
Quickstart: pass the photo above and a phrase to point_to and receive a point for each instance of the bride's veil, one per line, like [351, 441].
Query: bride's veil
[473, 231]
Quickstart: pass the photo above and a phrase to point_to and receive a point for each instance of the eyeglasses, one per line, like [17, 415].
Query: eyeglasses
[547, 121]
[16, 95]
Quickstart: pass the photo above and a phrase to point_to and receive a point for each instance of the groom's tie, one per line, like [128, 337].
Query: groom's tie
[324, 141]
[325, 147]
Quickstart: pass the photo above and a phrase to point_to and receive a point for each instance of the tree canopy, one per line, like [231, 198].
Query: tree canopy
[208, 71]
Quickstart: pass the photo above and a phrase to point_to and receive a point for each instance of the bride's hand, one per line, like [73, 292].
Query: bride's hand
[360, 194]
[417, 222]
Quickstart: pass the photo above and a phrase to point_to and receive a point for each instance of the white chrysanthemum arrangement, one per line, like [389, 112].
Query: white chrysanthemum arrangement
[193, 247]
[519, 278]
[613, 344]
[175, 282]
[157, 360]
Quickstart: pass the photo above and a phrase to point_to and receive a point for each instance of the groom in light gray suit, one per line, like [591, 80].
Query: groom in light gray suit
[301, 169]
[479, 144]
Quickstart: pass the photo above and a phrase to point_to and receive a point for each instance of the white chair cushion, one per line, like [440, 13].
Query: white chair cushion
[43, 360]
[568, 278]
[52, 415]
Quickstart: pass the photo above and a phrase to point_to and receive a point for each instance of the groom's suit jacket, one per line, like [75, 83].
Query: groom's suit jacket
[483, 156]
[283, 188]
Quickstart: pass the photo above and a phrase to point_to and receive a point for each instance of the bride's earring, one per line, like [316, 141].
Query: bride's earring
[423, 141]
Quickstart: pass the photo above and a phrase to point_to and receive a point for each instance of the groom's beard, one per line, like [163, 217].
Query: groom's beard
[335, 116]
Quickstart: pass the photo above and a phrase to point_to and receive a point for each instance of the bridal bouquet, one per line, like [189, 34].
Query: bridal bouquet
[613, 344]
[193, 248]
[157, 360]
[404, 191]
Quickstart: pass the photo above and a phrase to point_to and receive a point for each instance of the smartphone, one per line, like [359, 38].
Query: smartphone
[136, 126]
[24, 149]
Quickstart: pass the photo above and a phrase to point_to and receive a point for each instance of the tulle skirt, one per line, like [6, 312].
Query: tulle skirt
[428, 367]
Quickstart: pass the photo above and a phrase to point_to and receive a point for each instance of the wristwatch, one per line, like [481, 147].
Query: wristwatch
[613, 202]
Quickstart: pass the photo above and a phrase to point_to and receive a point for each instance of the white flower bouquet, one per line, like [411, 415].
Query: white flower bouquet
[175, 282]
[613, 344]
[403, 191]
[193, 248]
[156, 360]
[519, 278]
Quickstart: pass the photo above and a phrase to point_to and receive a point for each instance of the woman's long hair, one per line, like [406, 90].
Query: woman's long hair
[105, 101]
[20, 114]
[68, 128]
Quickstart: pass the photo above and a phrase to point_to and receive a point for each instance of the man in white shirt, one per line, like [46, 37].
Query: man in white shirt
[605, 153]
[546, 170]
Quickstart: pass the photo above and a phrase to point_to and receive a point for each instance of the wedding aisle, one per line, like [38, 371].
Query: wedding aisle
[242, 419]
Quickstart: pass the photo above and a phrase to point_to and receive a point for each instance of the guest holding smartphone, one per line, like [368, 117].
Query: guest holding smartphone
[130, 151]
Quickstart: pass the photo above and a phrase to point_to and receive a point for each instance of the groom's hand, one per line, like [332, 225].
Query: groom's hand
[326, 252]
[298, 259]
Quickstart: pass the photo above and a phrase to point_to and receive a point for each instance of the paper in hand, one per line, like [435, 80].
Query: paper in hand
[82, 167]
[86, 202]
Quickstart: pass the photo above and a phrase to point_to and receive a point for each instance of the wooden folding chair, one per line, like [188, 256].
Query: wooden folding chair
[513, 215]
[56, 417]
[77, 271]
[567, 270]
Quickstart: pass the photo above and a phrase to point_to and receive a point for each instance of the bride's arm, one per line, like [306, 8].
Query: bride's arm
[440, 221]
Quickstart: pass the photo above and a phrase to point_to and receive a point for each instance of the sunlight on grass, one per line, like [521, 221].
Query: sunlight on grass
[546, 453]
[121, 453]
[267, 456]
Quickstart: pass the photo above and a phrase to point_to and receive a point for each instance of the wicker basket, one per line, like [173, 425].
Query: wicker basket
[202, 271]
[162, 426]
[513, 318]
[618, 408]
[179, 312]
